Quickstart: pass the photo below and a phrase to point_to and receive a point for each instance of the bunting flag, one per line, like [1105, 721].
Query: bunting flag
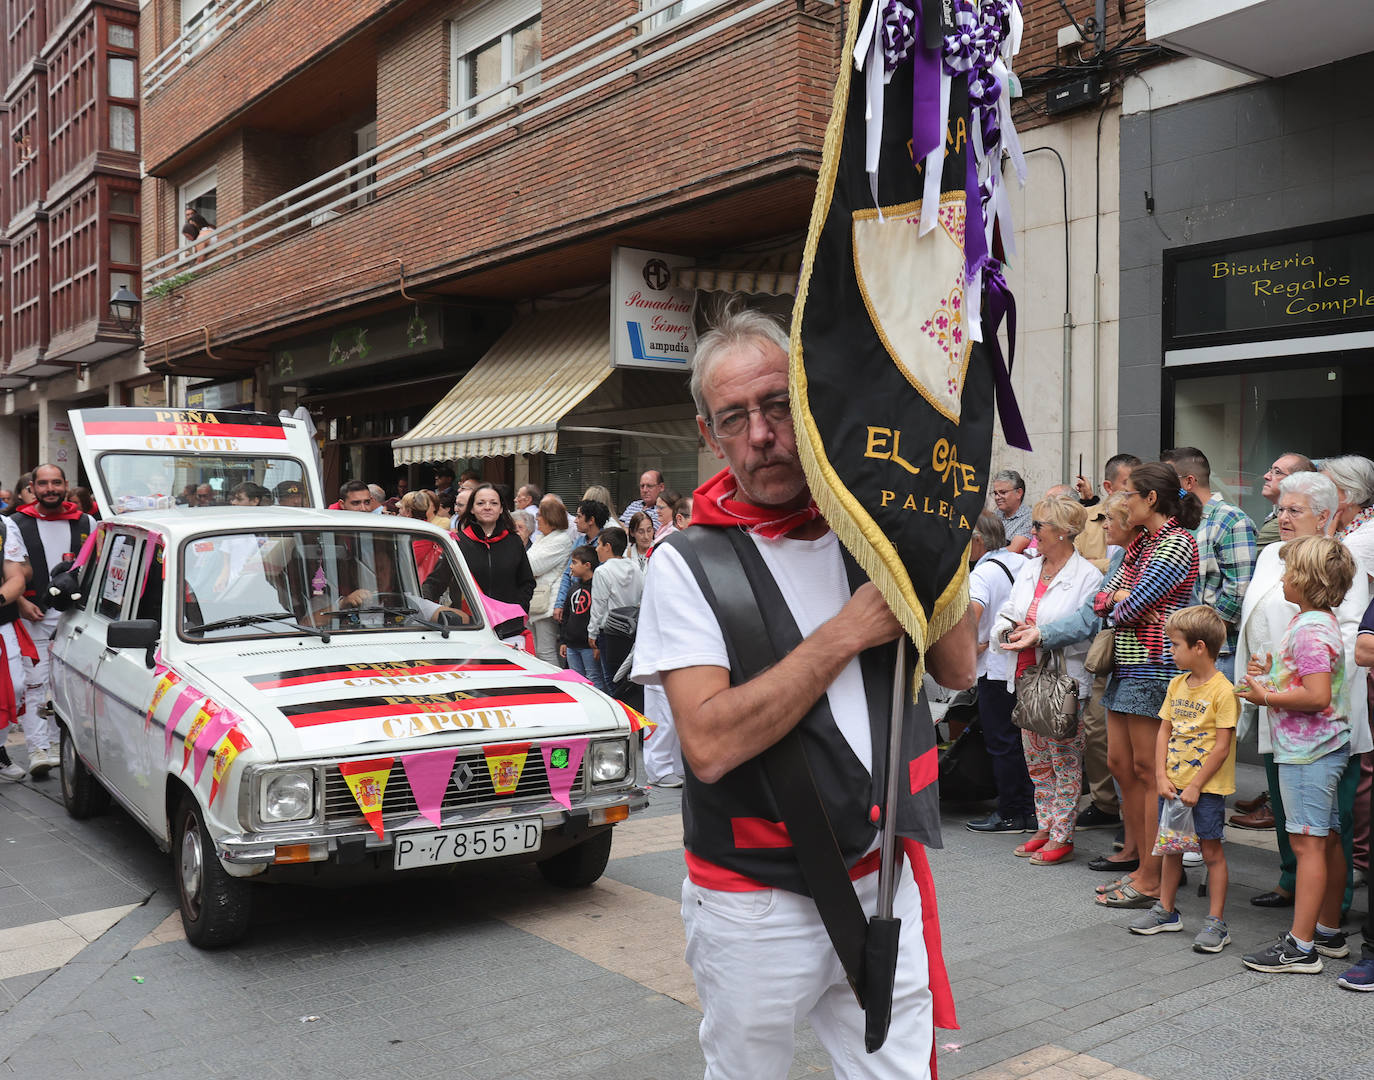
[895, 361]
[429, 776]
[169, 679]
[231, 746]
[207, 713]
[561, 761]
[638, 721]
[565, 675]
[208, 739]
[367, 780]
[189, 696]
[505, 762]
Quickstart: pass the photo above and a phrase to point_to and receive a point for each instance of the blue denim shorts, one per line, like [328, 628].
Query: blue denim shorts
[1209, 816]
[1309, 794]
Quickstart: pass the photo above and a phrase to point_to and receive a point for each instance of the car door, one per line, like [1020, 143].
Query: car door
[77, 649]
[123, 679]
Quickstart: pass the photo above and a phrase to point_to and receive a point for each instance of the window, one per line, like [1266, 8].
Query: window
[681, 8]
[495, 48]
[123, 128]
[198, 197]
[113, 582]
[122, 37]
[121, 77]
[121, 242]
[365, 139]
[199, 23]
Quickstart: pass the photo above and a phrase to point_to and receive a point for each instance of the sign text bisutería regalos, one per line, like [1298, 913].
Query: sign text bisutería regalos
[895, 360]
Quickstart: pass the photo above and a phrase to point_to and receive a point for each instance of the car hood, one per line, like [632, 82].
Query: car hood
[368, 698]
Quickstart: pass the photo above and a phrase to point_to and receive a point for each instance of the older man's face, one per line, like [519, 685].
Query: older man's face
[650, 488]
[1284, 466]
[751, 380]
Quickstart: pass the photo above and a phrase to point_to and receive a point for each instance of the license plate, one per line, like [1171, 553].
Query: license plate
[466, 843]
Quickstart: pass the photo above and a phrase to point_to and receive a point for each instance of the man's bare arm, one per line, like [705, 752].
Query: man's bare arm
[953, 660]
[722, 726]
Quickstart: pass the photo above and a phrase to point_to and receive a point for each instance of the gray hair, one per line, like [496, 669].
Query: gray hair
[1009, 476]
[1354, 475]
[733, 328]
[989, 529]
[1315, 487]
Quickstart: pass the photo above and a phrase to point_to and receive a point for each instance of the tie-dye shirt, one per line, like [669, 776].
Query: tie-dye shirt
[1311, 645]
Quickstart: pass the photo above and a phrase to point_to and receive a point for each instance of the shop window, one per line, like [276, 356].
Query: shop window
[495, 47]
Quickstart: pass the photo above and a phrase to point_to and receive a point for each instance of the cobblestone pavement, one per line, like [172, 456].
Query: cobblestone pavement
[493, 974]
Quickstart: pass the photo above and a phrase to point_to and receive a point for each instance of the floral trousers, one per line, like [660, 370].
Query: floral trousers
[1056, 770]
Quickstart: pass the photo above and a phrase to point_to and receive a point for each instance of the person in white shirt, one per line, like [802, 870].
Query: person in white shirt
[617, 583]
[15, 580]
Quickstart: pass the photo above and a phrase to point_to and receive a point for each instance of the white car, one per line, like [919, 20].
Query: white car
[265, 688]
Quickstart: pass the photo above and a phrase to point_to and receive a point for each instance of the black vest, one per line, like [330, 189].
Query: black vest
[734, 823]
[38, 558]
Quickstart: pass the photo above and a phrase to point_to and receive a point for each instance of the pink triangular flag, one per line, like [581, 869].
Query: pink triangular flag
[429, 775]
[208, 739]
[561, 760]
[189, 696]
[566, 675]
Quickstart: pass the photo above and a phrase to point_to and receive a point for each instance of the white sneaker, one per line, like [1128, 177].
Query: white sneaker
[40, 761]
[1192, 858]
[12, 772]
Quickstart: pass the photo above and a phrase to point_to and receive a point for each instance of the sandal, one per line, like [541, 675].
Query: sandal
[1048, 857]
[1112, 886]
[1030, 847]
[1128, 896]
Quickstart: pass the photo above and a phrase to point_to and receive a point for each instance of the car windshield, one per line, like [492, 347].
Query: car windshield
[159, 481]
[294, 582]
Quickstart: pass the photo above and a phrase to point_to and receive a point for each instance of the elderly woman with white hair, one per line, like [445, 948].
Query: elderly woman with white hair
[1307, 504]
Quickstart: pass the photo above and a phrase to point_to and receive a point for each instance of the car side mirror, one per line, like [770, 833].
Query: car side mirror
[134, 634]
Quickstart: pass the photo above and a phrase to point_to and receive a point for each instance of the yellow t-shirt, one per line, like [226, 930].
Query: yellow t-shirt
[1194, 714]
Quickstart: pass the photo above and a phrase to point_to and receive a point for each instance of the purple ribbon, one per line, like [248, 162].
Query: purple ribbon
[926, 133]
[1001, 304]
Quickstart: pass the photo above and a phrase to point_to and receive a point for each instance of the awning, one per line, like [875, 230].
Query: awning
[513, 398]
[770, 275]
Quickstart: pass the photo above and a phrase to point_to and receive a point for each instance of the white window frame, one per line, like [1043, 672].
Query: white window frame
[677, 11]
[189, 192]
[364, 141]
[492, 21]
[198, 23]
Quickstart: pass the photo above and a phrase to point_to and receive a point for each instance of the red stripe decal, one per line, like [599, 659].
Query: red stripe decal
[377, 673]
[754, 832]
[924, 770]
[338, 716]
[225, 431]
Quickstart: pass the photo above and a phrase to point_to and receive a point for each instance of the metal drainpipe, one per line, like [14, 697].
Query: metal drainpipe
[1066, 419]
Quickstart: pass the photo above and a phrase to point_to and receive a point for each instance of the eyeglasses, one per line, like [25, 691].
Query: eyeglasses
[1128, 492]
[1291, 511]
[776, 412]
[1042, 524]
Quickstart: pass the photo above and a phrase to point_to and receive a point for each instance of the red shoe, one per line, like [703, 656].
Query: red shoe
[1056, 855]
[1030, 847]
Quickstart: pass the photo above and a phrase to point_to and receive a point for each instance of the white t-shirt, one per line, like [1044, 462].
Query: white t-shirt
[989, 586]
[57, 539]
[678, 630]
[15, 551]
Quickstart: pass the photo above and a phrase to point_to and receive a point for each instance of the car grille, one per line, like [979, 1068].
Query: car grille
[341, 808]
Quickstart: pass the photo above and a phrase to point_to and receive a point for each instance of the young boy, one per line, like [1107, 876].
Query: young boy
[1305, 690]
[573, 645]
[1196, 764]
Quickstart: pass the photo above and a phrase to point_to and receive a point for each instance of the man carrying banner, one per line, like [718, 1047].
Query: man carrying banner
[756, 941]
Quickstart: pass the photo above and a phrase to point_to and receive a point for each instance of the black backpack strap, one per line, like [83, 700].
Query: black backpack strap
[1005, 569]
[739, 588]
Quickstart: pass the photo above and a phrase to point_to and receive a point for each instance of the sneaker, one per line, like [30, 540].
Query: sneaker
[1359, 976]
[1284, 955]
[1156, 921]
[40, 761]
[1332, 945]
[672, 780]
[996, 823]
[13, 772]
[1192, 858]
[1212, 937]
[1093, 818]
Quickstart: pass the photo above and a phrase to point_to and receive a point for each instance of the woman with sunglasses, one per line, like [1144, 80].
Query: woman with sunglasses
[1154, 580]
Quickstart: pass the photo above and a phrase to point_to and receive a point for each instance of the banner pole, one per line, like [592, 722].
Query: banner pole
[887, 870]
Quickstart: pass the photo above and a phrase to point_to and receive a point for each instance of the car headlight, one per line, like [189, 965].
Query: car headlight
[609, 761]
[287, 796]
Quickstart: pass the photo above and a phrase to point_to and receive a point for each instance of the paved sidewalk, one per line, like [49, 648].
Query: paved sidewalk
[493, 974]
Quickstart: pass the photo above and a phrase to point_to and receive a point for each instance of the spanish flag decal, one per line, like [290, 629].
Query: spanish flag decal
[506, 762]
[367, 780]
[230, 747]
[638, 721]
[169, 679]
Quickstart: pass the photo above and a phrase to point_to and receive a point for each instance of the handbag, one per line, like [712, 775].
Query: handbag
[966, 768]
[540, 602]
[1099, 660]
[1047, 700]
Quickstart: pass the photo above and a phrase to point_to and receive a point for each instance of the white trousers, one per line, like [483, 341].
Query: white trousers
[662, 751]
[763, 963]
[40, 732]
[545, 640]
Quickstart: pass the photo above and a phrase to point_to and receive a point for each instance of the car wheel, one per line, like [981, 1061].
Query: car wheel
[580, 865]
[82, 794]
[215, 907]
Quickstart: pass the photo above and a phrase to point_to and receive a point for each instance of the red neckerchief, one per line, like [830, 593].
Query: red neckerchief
[473, 534]
[714, 503]
[70, 512]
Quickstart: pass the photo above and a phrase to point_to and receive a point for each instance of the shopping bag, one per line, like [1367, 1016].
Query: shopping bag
[1177, 833]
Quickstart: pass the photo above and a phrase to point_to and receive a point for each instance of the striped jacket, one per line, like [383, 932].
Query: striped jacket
[1160, 571]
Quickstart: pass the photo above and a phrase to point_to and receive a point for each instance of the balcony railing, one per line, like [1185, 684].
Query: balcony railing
[427, 146]
[214, 21]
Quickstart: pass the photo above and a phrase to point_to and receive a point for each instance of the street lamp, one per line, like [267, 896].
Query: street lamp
[125, 308]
